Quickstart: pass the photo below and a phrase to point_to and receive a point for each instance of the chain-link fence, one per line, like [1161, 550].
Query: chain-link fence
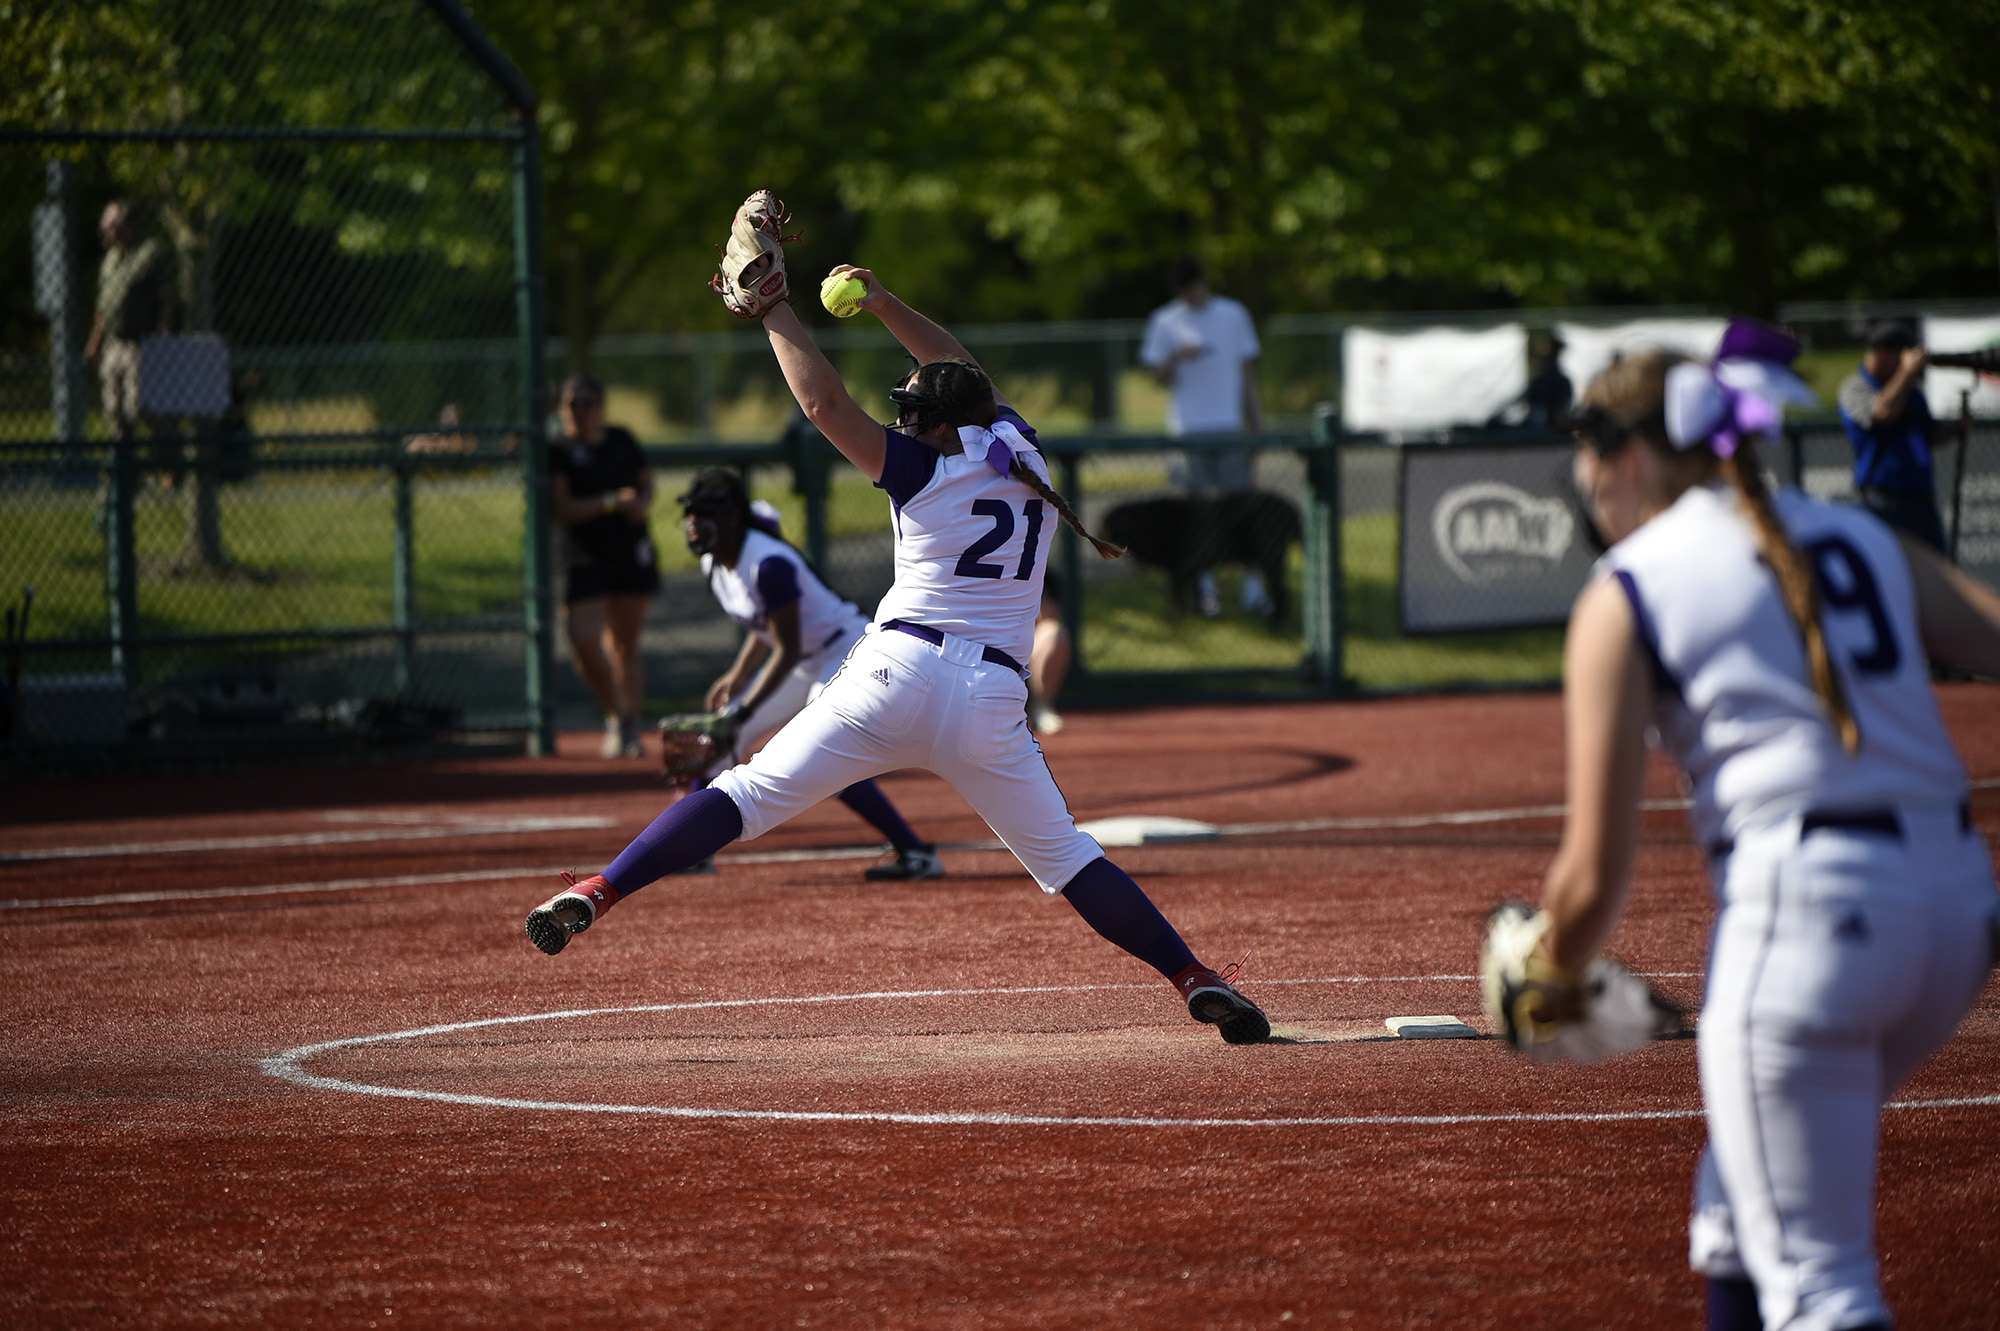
[256, 491]
[1139, 624]
[271, 437]
[1462, 555]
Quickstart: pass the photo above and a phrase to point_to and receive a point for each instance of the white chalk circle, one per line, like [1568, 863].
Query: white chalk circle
[291, 1066]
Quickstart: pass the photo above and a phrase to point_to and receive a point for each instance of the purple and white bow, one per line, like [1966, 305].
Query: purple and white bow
[1743, 393]
[999, 446]
[1701, 409]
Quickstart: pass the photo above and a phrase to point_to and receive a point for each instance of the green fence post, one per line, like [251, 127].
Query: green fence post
[810, 481]
[406, 581]
[1325, 594]
[538, 599]
[1069, 548]
[1114, 370]
[121, 563]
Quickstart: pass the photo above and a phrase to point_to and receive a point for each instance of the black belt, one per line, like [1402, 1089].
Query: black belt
[935, 637]
[1881, 822]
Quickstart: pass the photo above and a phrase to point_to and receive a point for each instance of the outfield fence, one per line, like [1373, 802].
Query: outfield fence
[373, 594]
[293, 497]
[263, 234]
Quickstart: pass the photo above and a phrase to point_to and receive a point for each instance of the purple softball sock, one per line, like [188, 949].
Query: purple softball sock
[1111, 903]
[689, 832]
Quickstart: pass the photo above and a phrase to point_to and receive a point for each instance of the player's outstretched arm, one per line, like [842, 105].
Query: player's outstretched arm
[920, 335]
[822, 395]
[731, 682]
[1606, 702]
[1958, 616]
[783, 623]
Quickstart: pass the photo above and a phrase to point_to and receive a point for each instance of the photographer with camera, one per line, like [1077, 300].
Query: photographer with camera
[1890, 425]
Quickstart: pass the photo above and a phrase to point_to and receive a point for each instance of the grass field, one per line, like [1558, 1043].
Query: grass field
[314, 550]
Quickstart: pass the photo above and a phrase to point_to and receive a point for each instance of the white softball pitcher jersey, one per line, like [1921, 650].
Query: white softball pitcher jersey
[1735, 704]
[769, 575]
[972, 546]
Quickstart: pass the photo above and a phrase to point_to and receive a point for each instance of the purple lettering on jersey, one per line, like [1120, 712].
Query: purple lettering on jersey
[777, 583]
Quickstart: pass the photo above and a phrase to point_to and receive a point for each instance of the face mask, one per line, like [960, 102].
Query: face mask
[707, 532]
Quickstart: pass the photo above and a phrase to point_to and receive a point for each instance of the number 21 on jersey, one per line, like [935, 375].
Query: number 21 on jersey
[1001, 514]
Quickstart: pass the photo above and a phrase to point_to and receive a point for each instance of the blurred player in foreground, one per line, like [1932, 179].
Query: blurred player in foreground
[1778, 645]
[797, 631]
[938, 684]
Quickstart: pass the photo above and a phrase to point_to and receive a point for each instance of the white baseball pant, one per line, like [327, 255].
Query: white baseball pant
[1841, 961]
[900, 702]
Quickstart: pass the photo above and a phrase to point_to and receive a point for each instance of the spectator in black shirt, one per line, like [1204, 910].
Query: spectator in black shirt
[1549, 392]
[600, 491]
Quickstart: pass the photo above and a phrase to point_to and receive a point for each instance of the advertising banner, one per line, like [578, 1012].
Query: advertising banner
[1490, 539]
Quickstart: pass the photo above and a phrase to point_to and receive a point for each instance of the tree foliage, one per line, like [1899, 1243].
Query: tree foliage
[1022, 159]
[1006, 159]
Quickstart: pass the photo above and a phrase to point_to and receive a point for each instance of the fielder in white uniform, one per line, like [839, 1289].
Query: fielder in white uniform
[1779, 648]
[939, 683]
[796, 633]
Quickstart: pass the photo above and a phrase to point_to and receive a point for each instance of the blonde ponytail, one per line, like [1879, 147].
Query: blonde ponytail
[1629, 397]
[1795, 583]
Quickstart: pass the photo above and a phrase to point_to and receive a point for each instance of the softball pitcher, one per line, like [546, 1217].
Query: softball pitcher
[796, 632]
[938, 683]
[1779, 647]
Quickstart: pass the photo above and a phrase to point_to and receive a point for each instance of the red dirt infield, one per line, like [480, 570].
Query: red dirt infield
[781, 1096]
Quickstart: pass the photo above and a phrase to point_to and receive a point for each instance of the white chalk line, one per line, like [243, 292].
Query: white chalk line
[813, 855]
[807, 856]
[289, 1066]
[399, 828]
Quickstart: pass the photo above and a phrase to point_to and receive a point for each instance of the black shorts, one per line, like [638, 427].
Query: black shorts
[589, 581]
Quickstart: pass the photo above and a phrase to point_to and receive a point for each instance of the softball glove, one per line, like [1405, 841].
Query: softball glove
[750, 287]
[691, 743]
[1551, 1013]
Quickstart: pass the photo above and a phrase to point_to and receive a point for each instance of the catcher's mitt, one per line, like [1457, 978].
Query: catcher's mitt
[1550, 1013]
[749, 286]
[691, 743]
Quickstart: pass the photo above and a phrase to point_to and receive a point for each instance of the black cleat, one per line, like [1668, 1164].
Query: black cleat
[909, 866]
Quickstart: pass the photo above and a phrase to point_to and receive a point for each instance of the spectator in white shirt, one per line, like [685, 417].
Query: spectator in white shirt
[1202, 346]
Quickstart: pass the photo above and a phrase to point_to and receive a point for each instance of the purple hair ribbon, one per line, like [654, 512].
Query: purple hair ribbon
[1701, 409]
[999, 446]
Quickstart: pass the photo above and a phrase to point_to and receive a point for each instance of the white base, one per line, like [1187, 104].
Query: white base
[1147, 830]
[1430, 1028]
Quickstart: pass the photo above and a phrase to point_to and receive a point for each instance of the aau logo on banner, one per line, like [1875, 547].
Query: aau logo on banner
[1487, 531]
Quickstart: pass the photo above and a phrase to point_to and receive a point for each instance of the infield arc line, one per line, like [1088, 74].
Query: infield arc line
[290, 1066]
[1457, 818]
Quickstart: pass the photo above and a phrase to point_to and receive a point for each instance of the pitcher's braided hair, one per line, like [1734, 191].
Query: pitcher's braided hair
[955, 393]
[1629, 399]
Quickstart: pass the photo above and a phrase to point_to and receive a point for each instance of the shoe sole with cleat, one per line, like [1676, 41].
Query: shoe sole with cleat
[1239, 1020]
[551, 924]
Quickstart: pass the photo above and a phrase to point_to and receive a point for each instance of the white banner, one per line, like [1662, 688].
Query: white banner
[1589, 348]
[1431, 378]
[1942, 387]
